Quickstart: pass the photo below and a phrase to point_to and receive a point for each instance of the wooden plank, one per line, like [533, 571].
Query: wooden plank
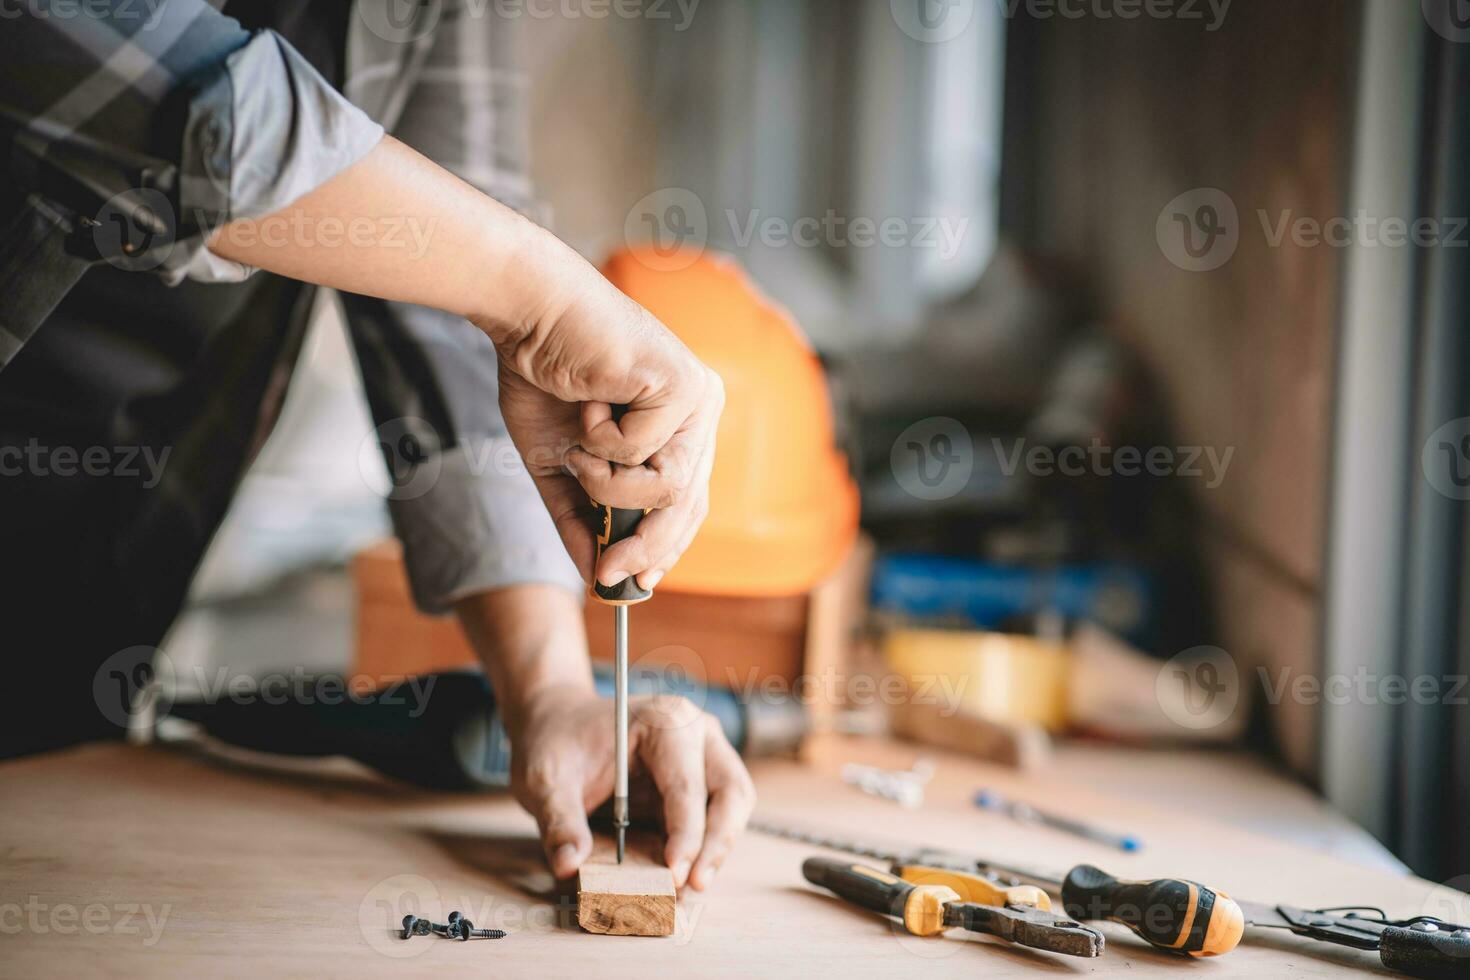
[1017, 745]
[629, 899]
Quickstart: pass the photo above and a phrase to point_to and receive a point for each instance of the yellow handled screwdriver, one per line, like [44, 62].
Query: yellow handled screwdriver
[615, 525]
[1174, 914]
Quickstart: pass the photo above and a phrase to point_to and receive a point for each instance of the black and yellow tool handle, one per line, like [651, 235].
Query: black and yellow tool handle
[920, 907]
[973, 887]
[614, 525]
[1170, 913]
[1443, 954]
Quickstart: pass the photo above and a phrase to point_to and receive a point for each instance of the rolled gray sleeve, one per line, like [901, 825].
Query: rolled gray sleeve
[291, 132]
[479, 529]
[470, 518]
[169, 117]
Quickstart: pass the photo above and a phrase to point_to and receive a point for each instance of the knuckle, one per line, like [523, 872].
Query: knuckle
[745, 788]
[539, 779]
[675, 709]
[680, 789]
[714, 386]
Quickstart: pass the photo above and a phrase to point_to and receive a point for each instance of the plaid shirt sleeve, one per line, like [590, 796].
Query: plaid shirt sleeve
[462, 502]
[169, 115]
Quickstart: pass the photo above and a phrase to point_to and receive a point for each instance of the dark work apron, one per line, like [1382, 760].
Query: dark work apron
[126, 425]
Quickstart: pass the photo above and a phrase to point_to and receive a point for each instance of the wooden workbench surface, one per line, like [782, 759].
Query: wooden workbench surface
[148, 861]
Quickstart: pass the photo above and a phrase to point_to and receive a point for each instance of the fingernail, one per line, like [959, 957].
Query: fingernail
[651, 579]
[681, 872]
[612, 578]
[566, 855]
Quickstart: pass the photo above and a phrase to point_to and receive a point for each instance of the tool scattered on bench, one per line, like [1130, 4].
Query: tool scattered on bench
[616, 525]
[903, 786]
[930, 908]
[1171, 914]
[988, 799]
[1423, 946]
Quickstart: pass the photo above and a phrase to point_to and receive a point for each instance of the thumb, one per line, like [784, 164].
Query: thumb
[565, 834]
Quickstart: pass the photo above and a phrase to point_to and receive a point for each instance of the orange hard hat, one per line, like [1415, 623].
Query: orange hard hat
[783, 505]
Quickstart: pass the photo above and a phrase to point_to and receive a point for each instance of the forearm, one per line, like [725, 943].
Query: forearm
[397, 226]
[533, 644]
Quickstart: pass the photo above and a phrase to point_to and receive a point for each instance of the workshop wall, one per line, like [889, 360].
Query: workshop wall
[594, 143]
[1108, 121]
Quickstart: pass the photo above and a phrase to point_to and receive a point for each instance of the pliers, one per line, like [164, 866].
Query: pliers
[930, 900]
[1017, 913]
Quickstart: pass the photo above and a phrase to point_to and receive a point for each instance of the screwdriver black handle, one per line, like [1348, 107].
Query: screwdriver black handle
[614, 525]
[617, 524]
[920, 907]
[1170, 913]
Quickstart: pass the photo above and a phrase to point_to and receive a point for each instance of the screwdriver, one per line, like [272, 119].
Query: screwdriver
[617, 524]
[1169, 913]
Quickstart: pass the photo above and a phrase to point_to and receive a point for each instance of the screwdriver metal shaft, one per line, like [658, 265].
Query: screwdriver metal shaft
[620, 739]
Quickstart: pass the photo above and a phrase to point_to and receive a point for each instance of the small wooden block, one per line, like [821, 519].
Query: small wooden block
[626, 899]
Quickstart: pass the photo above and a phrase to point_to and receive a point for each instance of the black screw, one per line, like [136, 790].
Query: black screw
[467, 931]
[414, 926]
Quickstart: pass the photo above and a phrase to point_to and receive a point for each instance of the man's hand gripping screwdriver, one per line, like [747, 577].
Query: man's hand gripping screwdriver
[615, 525]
